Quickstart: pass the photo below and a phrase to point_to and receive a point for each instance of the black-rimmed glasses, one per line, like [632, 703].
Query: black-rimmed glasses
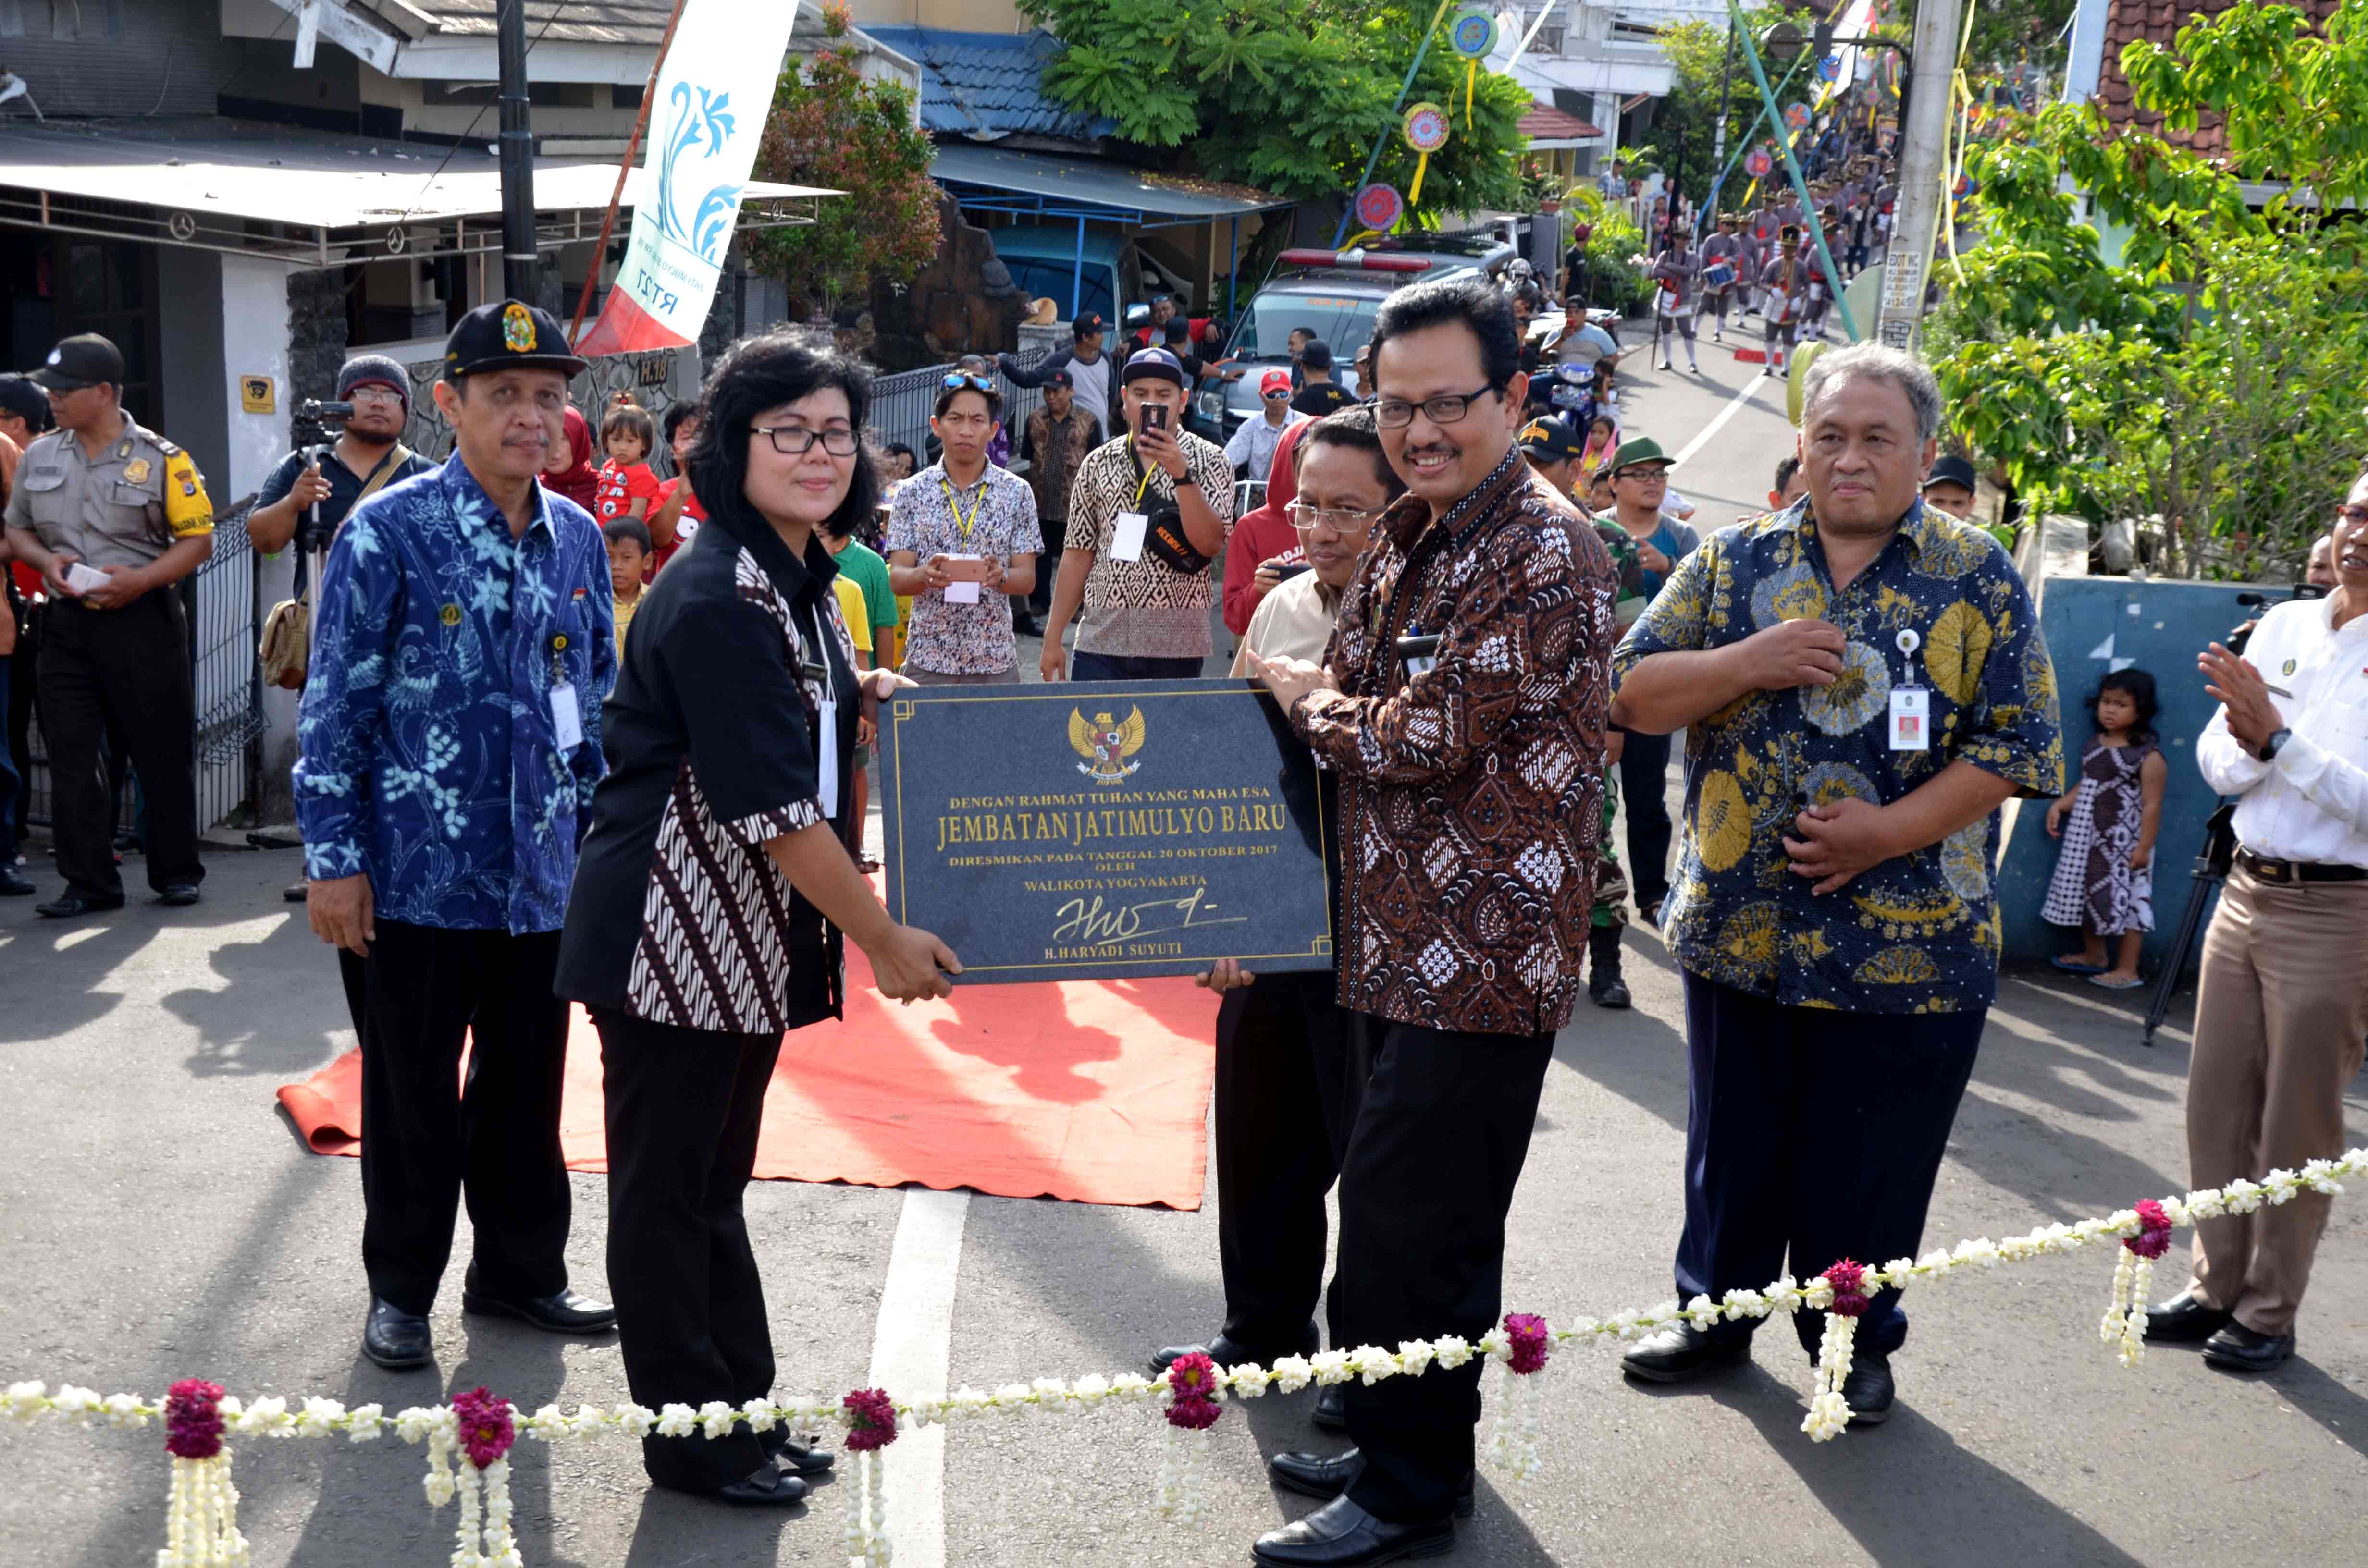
[1396, 413]
[797, 440]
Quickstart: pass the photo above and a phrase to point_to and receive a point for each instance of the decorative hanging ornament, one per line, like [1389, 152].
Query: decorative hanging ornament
[1378, 207]
[1424, 128]
[1831, 68]
[1756, 163]
[1796, 116]
[1473, 34]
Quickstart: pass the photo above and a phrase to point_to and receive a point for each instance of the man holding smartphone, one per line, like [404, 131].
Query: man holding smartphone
[1147, 517]
[962, 537]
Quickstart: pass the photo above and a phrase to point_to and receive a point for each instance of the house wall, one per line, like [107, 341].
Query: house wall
[957, 16]
[112, 57]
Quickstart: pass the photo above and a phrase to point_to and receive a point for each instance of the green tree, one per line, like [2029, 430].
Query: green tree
[1285, 95]
[830, 127]
[2205, 387]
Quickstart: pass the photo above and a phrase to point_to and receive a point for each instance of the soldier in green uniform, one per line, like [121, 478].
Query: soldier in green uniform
[1553, 447]
[113, 516]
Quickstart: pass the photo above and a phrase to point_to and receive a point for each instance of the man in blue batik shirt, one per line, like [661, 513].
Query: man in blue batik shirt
[1863, 685]
[449, 741]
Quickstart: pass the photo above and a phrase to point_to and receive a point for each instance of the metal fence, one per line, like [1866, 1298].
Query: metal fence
[901, 404]
[223, 600]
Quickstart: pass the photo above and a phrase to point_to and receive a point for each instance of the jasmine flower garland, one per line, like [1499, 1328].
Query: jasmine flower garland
[870, 1418]
[2145, 1237]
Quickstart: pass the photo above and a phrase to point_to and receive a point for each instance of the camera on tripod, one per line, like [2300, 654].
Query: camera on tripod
[2258, 600]
[317, 422]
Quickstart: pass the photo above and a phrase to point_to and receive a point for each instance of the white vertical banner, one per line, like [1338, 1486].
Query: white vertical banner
[712, 96]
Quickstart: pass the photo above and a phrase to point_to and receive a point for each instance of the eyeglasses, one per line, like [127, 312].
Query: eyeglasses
[1644, 475]
[797, 440]
[964, 378]
[2345, 512]
[1396, 413]
[1340, 519]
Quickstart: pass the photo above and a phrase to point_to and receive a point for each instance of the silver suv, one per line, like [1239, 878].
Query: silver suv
[1333, 296]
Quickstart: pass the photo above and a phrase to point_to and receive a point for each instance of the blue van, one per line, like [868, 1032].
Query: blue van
[1043, 260]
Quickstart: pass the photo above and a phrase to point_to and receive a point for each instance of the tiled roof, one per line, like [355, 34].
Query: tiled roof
[636, 22]
[2159, 21]
[1543, 122]
[987, 85]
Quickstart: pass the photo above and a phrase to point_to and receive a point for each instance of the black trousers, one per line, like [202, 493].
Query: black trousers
[125, 674]
[426, 1140]
[684, 1107]
[1283, 1043]
[1644, 789]
[1815, 1132]
[1440, 1128]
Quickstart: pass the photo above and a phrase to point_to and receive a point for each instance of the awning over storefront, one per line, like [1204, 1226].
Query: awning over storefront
[309, 197]
[1039, 184]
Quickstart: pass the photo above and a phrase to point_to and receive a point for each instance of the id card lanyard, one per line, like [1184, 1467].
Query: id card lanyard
[1126, 539]
[566, 718]
[826, 715]
[1911, 705]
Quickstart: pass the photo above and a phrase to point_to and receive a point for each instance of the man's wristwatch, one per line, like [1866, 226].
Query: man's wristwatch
[2276, 742]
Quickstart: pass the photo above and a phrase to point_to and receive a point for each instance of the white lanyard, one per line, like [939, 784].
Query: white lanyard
[827, 715]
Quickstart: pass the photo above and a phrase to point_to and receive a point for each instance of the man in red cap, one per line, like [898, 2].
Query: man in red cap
[1251, 446]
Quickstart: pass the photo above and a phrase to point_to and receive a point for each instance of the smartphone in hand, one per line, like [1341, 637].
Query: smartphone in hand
[1154, 416]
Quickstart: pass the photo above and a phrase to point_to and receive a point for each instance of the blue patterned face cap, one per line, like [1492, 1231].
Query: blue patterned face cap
[508, 334]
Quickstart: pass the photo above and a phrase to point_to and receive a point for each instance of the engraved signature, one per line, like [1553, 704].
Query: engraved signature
[1095, 926]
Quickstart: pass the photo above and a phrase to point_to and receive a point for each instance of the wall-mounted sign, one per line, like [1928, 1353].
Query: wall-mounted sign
[257, 394]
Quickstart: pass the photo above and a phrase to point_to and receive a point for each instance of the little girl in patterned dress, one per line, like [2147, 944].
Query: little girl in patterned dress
[2105, 872]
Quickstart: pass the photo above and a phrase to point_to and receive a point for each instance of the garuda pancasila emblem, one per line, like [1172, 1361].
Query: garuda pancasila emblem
[1106, 743]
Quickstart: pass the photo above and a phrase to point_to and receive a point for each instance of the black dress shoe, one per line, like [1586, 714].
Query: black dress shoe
[768, 1488]
[2241, 1349]
[1332, 1407]
[14, 883]
[564, 1313]
[1225, 1352]
[1342, 1534]
[393, 1338]
[180, 895]
[1681, 1354]
[1869, 1390]
[73, 904]
[796, 1458]
[2183, 1320]
[1331, 1475]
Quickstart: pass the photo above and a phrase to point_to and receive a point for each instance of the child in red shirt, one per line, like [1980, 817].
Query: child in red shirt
[627, 485]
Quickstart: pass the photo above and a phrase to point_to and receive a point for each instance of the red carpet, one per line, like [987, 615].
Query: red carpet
[1094, 1092]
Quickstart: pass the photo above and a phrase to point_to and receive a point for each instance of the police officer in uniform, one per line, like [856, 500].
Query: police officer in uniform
[112, 515]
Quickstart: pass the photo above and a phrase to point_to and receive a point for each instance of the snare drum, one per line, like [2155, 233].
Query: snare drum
[1719, 276]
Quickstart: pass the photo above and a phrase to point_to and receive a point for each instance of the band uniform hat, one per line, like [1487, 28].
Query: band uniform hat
[1549, 440]
[1156, 363]
[1274, 381]
[1059, 379]
[82, 360]
[1637, 453]
[374, 370]
[508, 335]
[1949, 468]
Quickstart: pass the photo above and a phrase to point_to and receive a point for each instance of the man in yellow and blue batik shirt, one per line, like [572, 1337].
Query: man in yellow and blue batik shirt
[1863, 685]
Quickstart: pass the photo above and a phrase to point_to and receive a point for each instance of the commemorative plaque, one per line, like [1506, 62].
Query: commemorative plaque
[1086, 831]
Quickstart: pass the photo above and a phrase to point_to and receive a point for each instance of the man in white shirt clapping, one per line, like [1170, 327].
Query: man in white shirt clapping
[2283, 1005]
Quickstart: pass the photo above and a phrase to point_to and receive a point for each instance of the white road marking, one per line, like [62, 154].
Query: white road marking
[1718, 422]
[911, 1343]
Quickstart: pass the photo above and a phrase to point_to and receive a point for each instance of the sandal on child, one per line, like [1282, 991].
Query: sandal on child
[2073, 966]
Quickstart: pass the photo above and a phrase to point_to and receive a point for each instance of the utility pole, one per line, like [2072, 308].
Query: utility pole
[520, 261]
[1923, 135]
[1718, 140]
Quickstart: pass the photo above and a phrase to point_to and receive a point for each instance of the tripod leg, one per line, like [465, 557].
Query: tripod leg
[2190, 920]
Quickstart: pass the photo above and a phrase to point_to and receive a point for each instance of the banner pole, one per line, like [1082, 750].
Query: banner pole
[632, 148]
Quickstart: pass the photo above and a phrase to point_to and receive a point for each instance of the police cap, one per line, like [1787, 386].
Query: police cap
[82, 360]
[508, 334]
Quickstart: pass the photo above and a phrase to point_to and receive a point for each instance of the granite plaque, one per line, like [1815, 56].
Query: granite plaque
[1085, 831]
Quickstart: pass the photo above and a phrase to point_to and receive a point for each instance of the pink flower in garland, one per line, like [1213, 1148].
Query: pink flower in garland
[193, 1423]
[486, 1429]
[1193, 1380]
[2154, 1231]
[1527, 1331]
[874, 1425]
[1849, 1280]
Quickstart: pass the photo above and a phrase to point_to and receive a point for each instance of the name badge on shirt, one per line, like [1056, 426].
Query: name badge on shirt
[1126, 540]
[567, 719]
[1911, 718]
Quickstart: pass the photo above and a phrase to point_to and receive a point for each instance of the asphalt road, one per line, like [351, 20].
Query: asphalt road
[158, 1218]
